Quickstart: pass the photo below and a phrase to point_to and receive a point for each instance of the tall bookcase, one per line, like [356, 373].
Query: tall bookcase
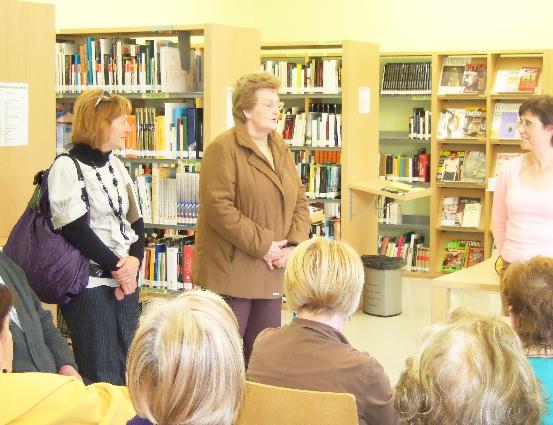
[359, 109]
[403, 90]
[495, 61]
[27, 35]
[221, 68]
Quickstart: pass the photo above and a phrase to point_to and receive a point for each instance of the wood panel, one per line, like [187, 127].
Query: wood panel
[229, 53]
[360, 68]
[27, 55]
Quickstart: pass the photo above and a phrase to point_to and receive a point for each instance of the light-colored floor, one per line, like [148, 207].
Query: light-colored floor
[392, 339]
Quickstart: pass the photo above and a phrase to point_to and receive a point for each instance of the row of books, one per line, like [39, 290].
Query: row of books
[320, 180]
[415, 168]
[317, 157]
[169, 195]
[126, 66]
[460, 254]
[410, 247]
[468, 75]
[388, 211]
[459, 123]
[413, 78]
[314, 76]
[329, 228]
[461, 166]
[175, 134]
[167, 265]
[461, 211]
[420, 124]
[317, 129]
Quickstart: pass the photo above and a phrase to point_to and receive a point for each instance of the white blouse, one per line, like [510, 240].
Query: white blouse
[66, 204]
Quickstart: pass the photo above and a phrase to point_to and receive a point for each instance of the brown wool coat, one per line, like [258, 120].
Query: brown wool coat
[244, 206]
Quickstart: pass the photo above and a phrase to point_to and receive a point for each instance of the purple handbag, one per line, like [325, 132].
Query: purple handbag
[55, 269]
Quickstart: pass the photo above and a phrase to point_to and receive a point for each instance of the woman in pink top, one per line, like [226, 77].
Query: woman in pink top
[523, 199]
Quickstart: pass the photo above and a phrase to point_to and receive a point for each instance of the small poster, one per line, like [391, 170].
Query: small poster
[364, 100]
[14, 114]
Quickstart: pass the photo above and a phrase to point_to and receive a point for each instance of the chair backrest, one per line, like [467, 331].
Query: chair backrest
[268, 405]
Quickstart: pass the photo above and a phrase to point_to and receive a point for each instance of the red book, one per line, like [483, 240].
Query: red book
[187, 260]
[528, 79]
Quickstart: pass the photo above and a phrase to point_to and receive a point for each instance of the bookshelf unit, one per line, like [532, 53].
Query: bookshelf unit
[217, 43]
[405, 84]
[359, 77]
[490, 143]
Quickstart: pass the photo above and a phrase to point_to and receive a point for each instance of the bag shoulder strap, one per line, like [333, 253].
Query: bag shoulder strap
[84, 193]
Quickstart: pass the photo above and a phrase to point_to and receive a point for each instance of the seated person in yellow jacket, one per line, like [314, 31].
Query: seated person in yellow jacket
[50, 399]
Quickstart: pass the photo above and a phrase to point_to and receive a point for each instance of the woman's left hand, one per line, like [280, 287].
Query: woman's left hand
[125, 275]
[282, 261]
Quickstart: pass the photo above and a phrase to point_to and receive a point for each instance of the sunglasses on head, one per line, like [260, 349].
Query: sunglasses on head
[105, 96]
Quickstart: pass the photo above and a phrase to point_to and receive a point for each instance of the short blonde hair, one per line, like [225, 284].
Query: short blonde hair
[186, 363]
[91, 119]
[470, 369]
[243, 96]
[324, 276]
[527, 287]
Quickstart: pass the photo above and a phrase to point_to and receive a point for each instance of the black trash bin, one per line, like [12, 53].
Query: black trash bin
[382, 291]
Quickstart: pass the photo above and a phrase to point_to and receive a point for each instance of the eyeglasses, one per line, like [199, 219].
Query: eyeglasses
[105, 96]
[525, 123]
[271, 105]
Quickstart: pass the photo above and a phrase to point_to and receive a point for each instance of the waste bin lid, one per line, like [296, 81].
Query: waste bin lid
[382, 262]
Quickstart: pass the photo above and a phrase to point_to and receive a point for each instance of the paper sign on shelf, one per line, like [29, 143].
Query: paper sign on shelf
[364, 100]
[14, 114]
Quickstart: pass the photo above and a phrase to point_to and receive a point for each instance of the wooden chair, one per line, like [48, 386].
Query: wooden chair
[268, 405]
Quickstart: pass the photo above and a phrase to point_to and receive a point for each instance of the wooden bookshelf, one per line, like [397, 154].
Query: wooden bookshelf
[395, 112]
[221, 68]
[359, 129]
[495, 61]
[27, 41]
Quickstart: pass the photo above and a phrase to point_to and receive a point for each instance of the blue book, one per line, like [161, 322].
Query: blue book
[508, 125]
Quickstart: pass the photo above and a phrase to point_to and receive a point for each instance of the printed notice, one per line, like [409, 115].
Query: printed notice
[14, 114]
[364, 100]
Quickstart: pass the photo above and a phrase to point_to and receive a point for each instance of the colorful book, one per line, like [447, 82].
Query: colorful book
[474, 78]
[528, 79]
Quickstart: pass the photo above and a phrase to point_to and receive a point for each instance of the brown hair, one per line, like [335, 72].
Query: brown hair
[243, 96]
[469, 369]
[527, 287]
[186, 363]
[541, 107]
[93, 112]
[6, 303]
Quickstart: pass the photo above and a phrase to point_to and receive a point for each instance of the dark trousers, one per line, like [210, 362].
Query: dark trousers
[253, 316]
[101, 330]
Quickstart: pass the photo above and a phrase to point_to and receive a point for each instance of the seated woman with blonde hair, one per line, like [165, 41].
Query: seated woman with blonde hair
[323, 282]
[527, 293]
[186, 364]
[469, 369]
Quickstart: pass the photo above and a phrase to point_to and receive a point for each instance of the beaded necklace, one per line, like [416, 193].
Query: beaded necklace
[119, 211]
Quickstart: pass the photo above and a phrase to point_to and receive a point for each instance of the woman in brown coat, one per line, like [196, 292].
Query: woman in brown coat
[253, 209]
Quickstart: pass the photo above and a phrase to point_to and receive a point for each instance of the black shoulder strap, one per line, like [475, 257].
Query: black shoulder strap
[84, 193]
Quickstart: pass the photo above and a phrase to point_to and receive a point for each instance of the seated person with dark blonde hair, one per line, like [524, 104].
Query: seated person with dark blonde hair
[469, 370]
[186, 364]
[323, 282]
[527, 293]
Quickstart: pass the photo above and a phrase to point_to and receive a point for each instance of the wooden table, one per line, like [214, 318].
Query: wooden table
[481, 277]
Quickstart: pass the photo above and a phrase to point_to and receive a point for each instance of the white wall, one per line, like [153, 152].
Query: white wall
[397, 25]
